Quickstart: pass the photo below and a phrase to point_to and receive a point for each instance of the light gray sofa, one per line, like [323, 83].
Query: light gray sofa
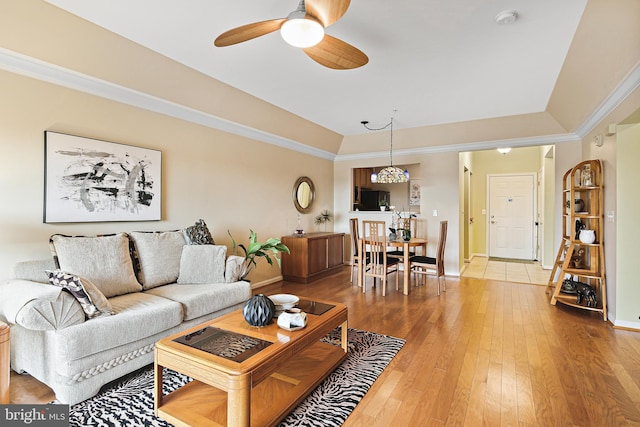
[142, 295]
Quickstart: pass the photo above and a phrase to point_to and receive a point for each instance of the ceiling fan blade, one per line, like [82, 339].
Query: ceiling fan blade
[248, 32]
[327, 11]
[334, 53]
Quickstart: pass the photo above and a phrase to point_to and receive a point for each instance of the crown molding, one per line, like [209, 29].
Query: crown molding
[467, 146]
[629, 84]
[30, 67]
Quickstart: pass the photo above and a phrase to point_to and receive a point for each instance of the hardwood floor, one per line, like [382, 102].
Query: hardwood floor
[483, 353]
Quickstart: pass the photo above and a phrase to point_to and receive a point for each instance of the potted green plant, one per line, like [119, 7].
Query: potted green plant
[257, 250]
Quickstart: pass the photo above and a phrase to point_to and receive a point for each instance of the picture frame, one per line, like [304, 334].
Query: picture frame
[414, 192]
[90, 180]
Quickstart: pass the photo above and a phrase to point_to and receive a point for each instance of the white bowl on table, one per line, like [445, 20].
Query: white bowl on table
[283, 302]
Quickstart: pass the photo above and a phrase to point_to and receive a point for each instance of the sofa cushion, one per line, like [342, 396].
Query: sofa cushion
[138, 315]
[92, 301]
[159, 256]
[198, 234]
[198, 300]
[202, 264]
[104, 260]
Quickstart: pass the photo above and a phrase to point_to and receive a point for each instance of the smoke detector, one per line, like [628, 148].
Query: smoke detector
[506, 17]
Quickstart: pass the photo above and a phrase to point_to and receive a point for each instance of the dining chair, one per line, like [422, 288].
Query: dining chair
[404, 223]
[423, 264]
[378, 265]
[356, 257]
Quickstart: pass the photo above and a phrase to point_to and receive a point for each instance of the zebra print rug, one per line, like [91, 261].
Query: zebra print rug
[130, 401]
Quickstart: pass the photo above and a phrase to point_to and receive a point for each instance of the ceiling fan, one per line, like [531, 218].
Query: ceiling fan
[304, 28]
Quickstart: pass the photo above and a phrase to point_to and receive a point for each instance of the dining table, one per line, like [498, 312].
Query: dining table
[398, 243]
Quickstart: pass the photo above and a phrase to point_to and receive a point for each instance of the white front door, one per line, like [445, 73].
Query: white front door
[511, 215]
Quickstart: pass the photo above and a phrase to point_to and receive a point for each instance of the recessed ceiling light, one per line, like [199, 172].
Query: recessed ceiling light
[506, 17]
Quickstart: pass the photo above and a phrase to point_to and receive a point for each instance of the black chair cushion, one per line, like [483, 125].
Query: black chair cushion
[423, 259]
[390, 261]
[397, 253]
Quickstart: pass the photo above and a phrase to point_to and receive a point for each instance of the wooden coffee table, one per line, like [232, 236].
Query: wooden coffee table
[245, 375]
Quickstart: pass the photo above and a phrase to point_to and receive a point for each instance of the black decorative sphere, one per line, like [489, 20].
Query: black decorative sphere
[259, 310]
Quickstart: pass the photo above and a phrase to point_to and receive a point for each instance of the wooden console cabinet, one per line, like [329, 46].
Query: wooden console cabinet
[313, 256]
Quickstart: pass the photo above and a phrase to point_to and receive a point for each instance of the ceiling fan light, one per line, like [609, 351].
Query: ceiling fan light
[302, 32]
[504, 150]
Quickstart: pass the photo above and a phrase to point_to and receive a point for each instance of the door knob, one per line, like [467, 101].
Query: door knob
[493, 222]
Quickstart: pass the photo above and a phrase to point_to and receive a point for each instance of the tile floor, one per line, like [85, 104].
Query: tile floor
[482, 267]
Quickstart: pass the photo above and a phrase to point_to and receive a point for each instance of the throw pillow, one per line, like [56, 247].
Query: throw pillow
[198, 234]
[93, 302]
[159, 256]
[104, 260]
[202, 264]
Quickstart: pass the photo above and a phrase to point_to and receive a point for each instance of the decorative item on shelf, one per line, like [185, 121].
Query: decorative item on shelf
[577, 259]
[292, 319]
[257, 250]
[568, 287]
[259, 310]
[586, 292]
[587, 236]
[391, 174]
[578, 205]
[324, 217]
[585, 176]
[579, 226]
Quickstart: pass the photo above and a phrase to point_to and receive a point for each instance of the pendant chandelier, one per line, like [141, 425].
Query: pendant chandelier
[391, 174]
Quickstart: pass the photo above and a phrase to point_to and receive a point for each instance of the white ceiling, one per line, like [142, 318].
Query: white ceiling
[433, 61]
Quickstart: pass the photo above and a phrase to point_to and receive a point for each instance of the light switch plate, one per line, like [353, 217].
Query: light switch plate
[611, 216]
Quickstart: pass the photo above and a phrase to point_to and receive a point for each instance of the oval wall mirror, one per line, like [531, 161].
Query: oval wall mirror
[303, 194]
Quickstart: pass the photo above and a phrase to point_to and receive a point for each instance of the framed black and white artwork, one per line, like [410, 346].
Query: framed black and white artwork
[88, 180]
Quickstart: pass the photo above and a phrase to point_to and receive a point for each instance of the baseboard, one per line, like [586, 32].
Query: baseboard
[266, 282]
[629, 326]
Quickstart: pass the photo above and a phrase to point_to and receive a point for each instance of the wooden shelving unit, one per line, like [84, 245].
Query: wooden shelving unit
[584, 262]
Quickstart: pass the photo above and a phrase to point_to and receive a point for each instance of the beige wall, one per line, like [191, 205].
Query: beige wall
[548, 209]
[231, 182]
[627, 290]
